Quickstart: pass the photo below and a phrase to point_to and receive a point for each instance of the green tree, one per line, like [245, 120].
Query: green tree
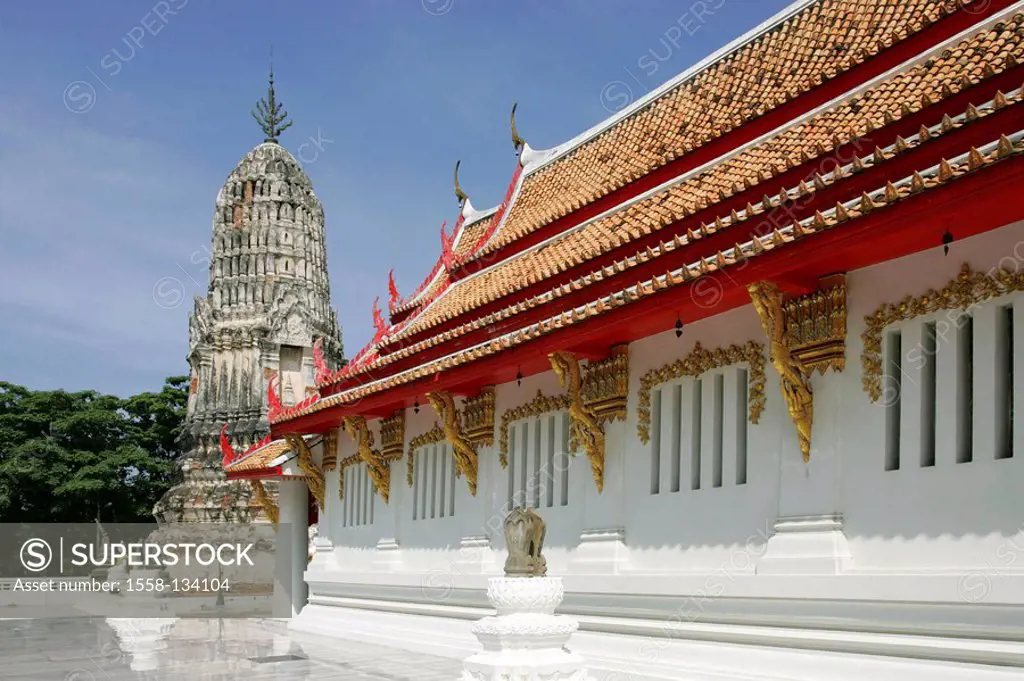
[68, 457]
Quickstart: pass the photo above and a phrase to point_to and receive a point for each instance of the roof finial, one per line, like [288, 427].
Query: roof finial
[269, 113]
[517, 141]
[459, 194]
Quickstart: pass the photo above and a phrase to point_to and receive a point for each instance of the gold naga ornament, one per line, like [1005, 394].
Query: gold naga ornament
[378, 469]
[462, 450]
[793, 379]
[586, 430]
[314, 476]
[263, 499]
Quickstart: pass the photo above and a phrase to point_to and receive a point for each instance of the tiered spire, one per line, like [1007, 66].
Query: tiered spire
[269, 113]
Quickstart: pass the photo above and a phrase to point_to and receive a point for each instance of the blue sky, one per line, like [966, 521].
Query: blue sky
[120, 120]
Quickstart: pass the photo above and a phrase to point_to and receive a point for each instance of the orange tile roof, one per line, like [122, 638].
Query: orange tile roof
[945, 122]
[259, 458]
[967, 63]
[810, 47]
[890, 194]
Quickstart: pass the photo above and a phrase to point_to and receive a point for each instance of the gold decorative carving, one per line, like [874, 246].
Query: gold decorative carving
[697, 362]
[968, 289]
[586, 431]
[606, 386]
[478, 418]
[342, 467]
[793, 376]
[392, 436]
[330, 444]
[266, 503]
[816, 328]
[314, 476]
[433, 435]
[379, 470]
[462, 450]
[541, 404]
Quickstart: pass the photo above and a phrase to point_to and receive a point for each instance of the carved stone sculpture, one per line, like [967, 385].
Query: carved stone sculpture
[524, 536]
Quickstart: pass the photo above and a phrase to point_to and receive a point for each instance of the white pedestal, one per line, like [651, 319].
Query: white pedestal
[525, 641]
[806, 545]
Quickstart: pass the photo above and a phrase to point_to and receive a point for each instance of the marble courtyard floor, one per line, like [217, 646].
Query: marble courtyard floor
[106, 649]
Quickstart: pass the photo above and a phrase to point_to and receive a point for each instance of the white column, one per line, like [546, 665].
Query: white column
[985, 383]
[292, 543]
[912, 349]
[1018, 377]
[733, 418]
[707, 430]
[947, 417]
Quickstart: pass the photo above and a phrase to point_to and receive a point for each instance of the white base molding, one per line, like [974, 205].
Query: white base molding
[600, 552]
[806, 545]
[659, 648]
[525, 641]
[389, 555]
[476, 556]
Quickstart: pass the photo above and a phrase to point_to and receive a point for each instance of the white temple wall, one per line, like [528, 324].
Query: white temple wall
[933, 513]
[942, 520]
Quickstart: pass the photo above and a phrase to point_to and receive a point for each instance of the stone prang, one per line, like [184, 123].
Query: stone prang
[268, 303]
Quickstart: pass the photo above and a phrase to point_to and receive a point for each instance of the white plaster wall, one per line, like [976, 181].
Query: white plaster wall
[945, 522]
[952, 516]
[701, 530]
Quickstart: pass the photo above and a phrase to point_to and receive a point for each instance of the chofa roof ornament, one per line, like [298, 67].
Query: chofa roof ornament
[517, 142]
[459, 194]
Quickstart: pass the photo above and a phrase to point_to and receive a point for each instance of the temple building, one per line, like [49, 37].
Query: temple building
[753, 347]
[268, 304]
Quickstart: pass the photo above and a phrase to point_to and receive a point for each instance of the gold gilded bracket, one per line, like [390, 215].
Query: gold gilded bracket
[330, 458]
[462, 449]
[606, 386]
[478, 418]
[266, 503]
[314, 476]
[392, 436]
[379, 470]
[793, 376]
[815, 326]
[587, 430]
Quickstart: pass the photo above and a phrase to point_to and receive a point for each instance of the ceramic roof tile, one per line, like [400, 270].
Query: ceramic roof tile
[815, 44]
[260, 458]
[806, 140]
[889, 194]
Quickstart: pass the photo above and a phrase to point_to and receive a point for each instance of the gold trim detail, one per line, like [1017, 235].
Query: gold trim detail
[967, 289]
[541, 404]
[478, 418]
[330, 458]
[606, 386]
[348, 461]
[462, 450]
[266, 503]
[793, 376]
[433, 435]
[379, 470]
[586, 430]
[392, 436]
[816, 328]
[314, 476]
[697, 362]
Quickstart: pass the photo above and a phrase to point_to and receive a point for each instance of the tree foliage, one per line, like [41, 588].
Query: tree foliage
[72, 457]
